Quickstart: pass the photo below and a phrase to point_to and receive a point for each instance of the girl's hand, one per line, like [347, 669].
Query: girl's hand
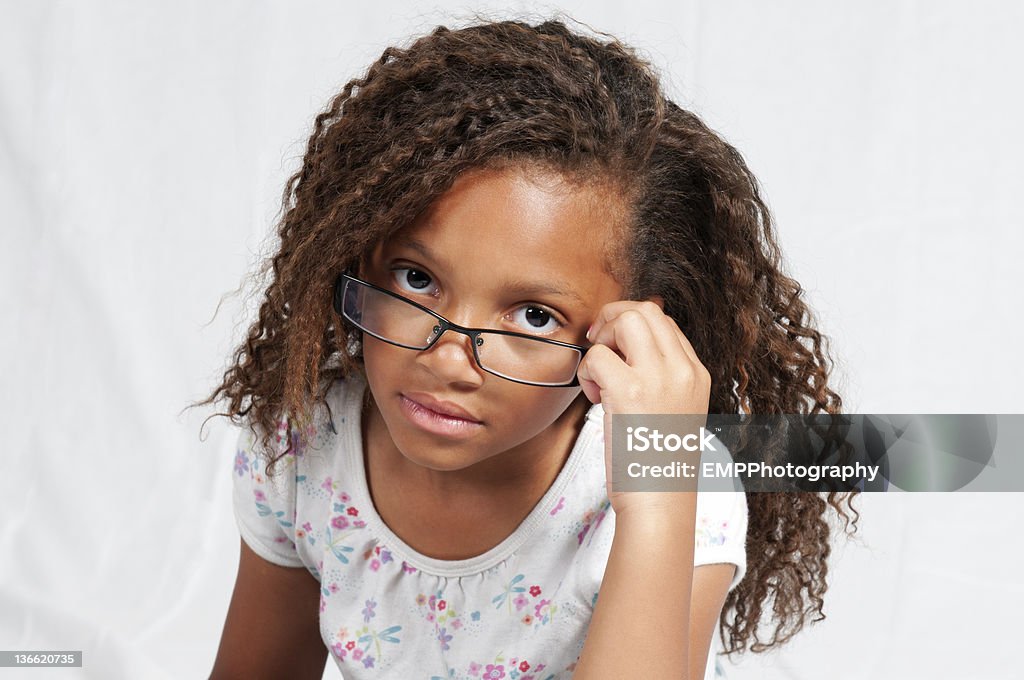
[641, 363]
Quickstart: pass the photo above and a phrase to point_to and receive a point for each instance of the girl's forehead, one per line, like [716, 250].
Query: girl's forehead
[509, 226]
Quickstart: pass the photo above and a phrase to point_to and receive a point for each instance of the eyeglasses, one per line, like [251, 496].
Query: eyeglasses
[399, 321]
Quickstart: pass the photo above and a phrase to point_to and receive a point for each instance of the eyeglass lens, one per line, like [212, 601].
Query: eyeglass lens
[520, 358]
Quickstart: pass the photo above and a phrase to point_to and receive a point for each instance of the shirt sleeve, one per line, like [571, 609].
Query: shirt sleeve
[265, 507]
[721, 531]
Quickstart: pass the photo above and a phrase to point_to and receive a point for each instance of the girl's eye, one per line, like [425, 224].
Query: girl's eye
[535, 319]
[416, 280]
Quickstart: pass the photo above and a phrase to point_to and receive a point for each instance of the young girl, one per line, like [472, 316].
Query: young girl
[499, 237]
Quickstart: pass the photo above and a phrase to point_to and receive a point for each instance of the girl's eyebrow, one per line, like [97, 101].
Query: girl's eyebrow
[518, 287]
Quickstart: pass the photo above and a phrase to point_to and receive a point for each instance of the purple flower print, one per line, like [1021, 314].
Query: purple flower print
[339, 522]
[492, 672]
[368, 661]
[385, 556]
[561, 504]
[368, 612]
[444, 638]
[241, 463]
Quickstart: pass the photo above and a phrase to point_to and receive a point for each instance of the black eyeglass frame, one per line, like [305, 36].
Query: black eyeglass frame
[446, 325]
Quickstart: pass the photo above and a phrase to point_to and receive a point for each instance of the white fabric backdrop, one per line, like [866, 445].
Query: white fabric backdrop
[143, 148]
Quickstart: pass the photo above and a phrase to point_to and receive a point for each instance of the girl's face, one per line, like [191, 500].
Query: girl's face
[496, 251]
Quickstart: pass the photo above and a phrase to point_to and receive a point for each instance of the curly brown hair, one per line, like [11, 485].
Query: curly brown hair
[699, 235]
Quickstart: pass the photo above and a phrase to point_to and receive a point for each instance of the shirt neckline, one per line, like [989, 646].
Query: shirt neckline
[353, 444]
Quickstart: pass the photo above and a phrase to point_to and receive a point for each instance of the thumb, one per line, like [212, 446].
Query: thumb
[600, 369]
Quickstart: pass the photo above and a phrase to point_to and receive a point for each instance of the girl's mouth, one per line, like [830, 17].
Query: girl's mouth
[437, 423]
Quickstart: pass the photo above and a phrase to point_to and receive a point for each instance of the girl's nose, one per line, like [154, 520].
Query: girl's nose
[451, 359]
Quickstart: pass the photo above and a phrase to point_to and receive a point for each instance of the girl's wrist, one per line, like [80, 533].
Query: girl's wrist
[657, 509]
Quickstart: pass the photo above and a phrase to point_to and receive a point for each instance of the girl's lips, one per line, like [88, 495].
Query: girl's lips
[437, 423]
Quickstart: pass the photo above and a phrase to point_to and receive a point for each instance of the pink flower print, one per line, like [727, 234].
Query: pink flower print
[582, 534]
[430, 616]
[520, 601]
[339, 522]
[587, 516]
[241, 463]
[406, 568]
[527, 619]
[474, 668]
[535, 590]
[457, 623]
[539, 668]
[359, 524]
[259, 495]
[333, 588]
[357, 654]
[374, 564]
[307, 526]
[526, 677]
[441, 604]
[524, 666]
[541, 608]
[352, 511]
[344, 497]
[339, 650]
[492, 672]
[561, 504]
[328, 485]
[421, 599]
[432, 602]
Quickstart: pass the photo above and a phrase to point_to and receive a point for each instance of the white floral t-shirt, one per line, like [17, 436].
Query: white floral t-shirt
[519, 611]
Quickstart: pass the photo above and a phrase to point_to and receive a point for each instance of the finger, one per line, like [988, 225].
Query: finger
[663, 328]
[600, 371]
[630, 334]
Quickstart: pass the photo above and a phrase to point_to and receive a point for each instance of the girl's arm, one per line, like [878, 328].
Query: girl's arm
[273, 624]
[646, 620]
[645, 623]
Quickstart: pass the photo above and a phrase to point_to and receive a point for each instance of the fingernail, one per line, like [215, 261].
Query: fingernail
[588, 331]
